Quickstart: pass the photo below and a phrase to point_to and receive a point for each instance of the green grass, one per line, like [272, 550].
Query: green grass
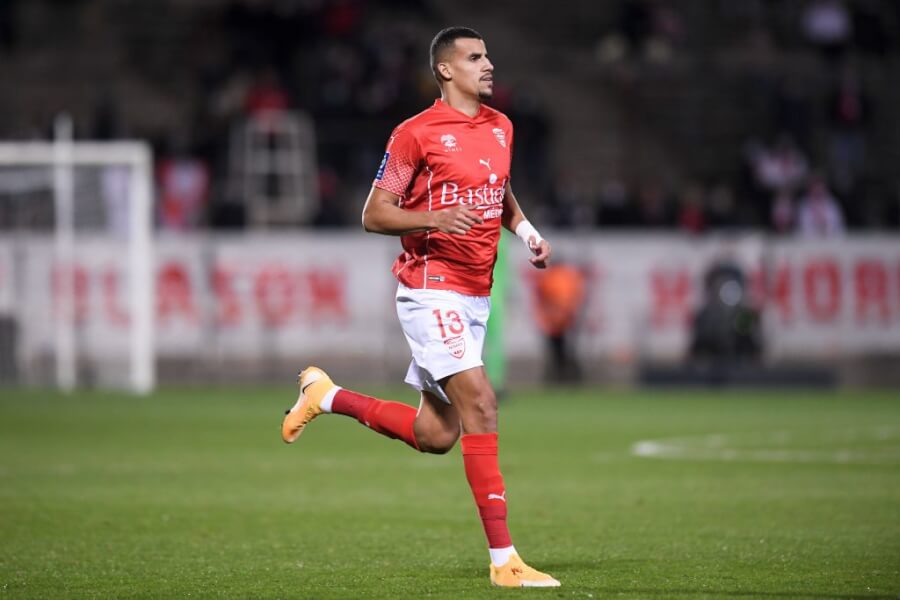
[192, 494]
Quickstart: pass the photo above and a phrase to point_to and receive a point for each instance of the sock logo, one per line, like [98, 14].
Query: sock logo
[498, 496]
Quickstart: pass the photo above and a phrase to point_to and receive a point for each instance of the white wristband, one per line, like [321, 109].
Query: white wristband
[525, 230]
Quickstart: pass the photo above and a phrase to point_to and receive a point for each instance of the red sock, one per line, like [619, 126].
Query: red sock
[483, 472]
[393, 419]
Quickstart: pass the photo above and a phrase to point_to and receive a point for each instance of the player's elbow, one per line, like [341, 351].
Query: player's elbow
[369, 222]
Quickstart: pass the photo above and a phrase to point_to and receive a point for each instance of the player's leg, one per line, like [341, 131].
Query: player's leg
[471, 393]
[319, 394]
[437, 424]
[434, 427]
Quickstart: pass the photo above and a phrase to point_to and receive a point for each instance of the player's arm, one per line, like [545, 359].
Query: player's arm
[382, 214]
[514, 220]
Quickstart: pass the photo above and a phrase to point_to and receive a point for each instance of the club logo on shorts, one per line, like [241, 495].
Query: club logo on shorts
[501, 136]
[456, 346]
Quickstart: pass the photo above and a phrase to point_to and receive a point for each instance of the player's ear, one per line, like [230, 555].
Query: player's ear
[443, 70]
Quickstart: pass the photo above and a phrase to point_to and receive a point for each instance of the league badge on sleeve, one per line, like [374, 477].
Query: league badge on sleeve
[380, 174]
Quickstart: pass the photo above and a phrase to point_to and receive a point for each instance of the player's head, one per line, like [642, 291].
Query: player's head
[459, 58]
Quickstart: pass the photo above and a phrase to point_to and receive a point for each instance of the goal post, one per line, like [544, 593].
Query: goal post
[61, 158]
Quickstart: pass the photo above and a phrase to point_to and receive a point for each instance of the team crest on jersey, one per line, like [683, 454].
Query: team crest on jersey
[449, 142]
[500, 135]
[456, 346]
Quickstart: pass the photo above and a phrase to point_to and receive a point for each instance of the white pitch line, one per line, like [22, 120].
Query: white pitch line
[768, 447]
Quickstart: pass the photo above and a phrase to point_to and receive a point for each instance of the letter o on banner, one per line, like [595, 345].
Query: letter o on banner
[275, 291]
[822, 289]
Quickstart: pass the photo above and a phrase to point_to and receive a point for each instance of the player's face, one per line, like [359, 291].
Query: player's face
[472, 72]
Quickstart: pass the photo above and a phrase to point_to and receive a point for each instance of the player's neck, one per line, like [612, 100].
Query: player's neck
[463, 103]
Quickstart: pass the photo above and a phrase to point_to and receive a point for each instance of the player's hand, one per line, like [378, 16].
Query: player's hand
[541, 251]
[457, 219]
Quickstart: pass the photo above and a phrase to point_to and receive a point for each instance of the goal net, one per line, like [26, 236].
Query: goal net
[76, 264]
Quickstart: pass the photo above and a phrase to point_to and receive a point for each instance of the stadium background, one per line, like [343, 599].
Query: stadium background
[675, 153]
[656, 141]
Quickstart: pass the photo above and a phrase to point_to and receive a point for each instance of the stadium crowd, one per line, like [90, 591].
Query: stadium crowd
[811, 159]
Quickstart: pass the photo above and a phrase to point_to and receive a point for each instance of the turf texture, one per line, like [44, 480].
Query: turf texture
[191, 493]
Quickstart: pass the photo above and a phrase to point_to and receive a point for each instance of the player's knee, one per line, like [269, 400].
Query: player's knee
[438, 442]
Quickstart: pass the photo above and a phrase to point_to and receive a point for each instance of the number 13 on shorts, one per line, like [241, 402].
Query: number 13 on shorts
[449, 322]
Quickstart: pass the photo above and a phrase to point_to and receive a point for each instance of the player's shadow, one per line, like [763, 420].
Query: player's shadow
[559, 569]
[642, 592]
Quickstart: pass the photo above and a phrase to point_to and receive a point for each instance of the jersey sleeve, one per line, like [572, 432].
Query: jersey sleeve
[400, 163]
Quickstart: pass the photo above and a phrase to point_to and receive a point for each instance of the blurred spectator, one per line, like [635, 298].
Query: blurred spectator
[532, 128]
[107, 121]
[559, 295]
[756, 52]
[793, 109]
[722, 207]
[570, 203]
[781, 215]
[265, 94]
[341, 70]
[819, 214]
[182, 187]
[691, 213]
[667, 32]
[342, 18]
[827, 25]
[778, 167]
[228, 100]
[330, 214]
[635, 24]
[614, 207]
[392, 61]
[649, 29]
[653, 207]
[848, 114]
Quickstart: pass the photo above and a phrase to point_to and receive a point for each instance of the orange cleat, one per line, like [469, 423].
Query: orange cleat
[515, 573]
[314, 384]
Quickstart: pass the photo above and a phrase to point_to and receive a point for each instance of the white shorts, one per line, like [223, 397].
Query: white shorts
[445, 331]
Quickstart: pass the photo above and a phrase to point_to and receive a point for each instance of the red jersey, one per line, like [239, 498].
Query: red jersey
[433, 161]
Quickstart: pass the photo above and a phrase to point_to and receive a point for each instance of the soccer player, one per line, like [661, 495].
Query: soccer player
[443, 187]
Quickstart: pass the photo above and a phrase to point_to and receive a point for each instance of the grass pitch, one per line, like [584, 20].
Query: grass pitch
[192, 493]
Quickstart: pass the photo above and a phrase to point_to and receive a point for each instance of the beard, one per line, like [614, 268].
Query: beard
[486, 95]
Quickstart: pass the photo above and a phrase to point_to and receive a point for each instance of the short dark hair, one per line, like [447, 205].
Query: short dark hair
[444, 40]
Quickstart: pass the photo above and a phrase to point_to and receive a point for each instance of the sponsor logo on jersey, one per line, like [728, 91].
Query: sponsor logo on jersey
[449, 142]
[380, 174]
[456, 346]
[483, 195]
[500, 135]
